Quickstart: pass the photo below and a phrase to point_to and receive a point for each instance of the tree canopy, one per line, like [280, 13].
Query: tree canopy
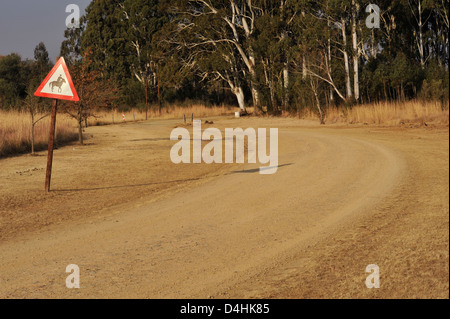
[281, 55]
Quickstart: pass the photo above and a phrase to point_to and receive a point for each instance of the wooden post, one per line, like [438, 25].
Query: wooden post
[51, 142]
[184, 118]
[192, 118]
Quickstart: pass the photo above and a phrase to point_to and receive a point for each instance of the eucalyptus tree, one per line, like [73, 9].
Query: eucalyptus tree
[264, 50]
[142, 20]
[220, 34]
[274, 44]
[323, 46]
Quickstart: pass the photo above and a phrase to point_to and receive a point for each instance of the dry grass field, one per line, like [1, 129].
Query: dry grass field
[15, 127]
[169, 112]
[390, 114]
[15, 134]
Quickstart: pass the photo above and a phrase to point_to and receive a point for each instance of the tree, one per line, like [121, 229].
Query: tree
[193, 49]
[71, 46]
[273, 45]
[14, 74]
[142, 20]
[40, 67]
[221, 34]
[93, 92]
[37, 110]
[418, 10]
[105, 35]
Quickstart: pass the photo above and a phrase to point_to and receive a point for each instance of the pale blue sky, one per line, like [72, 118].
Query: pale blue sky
[25, 23]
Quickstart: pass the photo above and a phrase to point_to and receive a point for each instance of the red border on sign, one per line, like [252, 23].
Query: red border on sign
[74, 98]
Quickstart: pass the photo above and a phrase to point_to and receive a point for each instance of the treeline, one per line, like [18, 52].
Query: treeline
[18, 77]
[280, 55]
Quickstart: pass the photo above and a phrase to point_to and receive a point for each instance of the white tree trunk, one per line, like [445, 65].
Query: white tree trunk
[421, 52]
[355, 52]
[374, 50]
[251, 69]
[286, 85]
[237, 90]
[304, 68]
[329, 61]
[348, 84]
[418, 34]
[255, 96]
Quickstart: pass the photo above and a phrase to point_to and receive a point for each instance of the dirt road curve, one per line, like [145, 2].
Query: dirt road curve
[139, 226]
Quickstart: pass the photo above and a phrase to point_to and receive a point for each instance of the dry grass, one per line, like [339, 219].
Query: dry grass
[15, 136]
[15, 132]
[389, 113]
[15, 127]
[170, 112]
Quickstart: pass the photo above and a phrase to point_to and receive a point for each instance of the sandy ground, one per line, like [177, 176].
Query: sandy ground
[139, 226]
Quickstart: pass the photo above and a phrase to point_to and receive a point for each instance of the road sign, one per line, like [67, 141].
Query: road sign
[58, 84]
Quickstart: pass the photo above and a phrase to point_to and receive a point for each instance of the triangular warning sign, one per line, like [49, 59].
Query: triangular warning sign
[58, 84]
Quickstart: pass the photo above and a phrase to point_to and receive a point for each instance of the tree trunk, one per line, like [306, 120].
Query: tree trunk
[374, 50]
[319, 108]
[304, 69]
[253, 84]
[273, 100]
[272, 107]
[32, 138]
[80, 125]
[421, 53]
[255, 96]
[329, 61]
[159, 92]
[314, 88]
[146, 98]
[240, 97]
[286, 85]
[32, 132]
[355, 52]
[348, 84]
[80, 131]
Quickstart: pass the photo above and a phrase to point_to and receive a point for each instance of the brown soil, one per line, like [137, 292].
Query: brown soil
[139, 226]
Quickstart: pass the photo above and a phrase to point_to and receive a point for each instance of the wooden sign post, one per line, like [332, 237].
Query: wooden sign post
[51, 144]
[57, 85]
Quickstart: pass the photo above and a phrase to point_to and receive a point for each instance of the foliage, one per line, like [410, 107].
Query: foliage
[280, 56]
[93, 91]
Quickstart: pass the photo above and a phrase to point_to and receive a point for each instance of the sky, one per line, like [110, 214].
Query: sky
[25, 23]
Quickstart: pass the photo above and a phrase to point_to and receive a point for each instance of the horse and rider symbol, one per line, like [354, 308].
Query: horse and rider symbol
[58, 83]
